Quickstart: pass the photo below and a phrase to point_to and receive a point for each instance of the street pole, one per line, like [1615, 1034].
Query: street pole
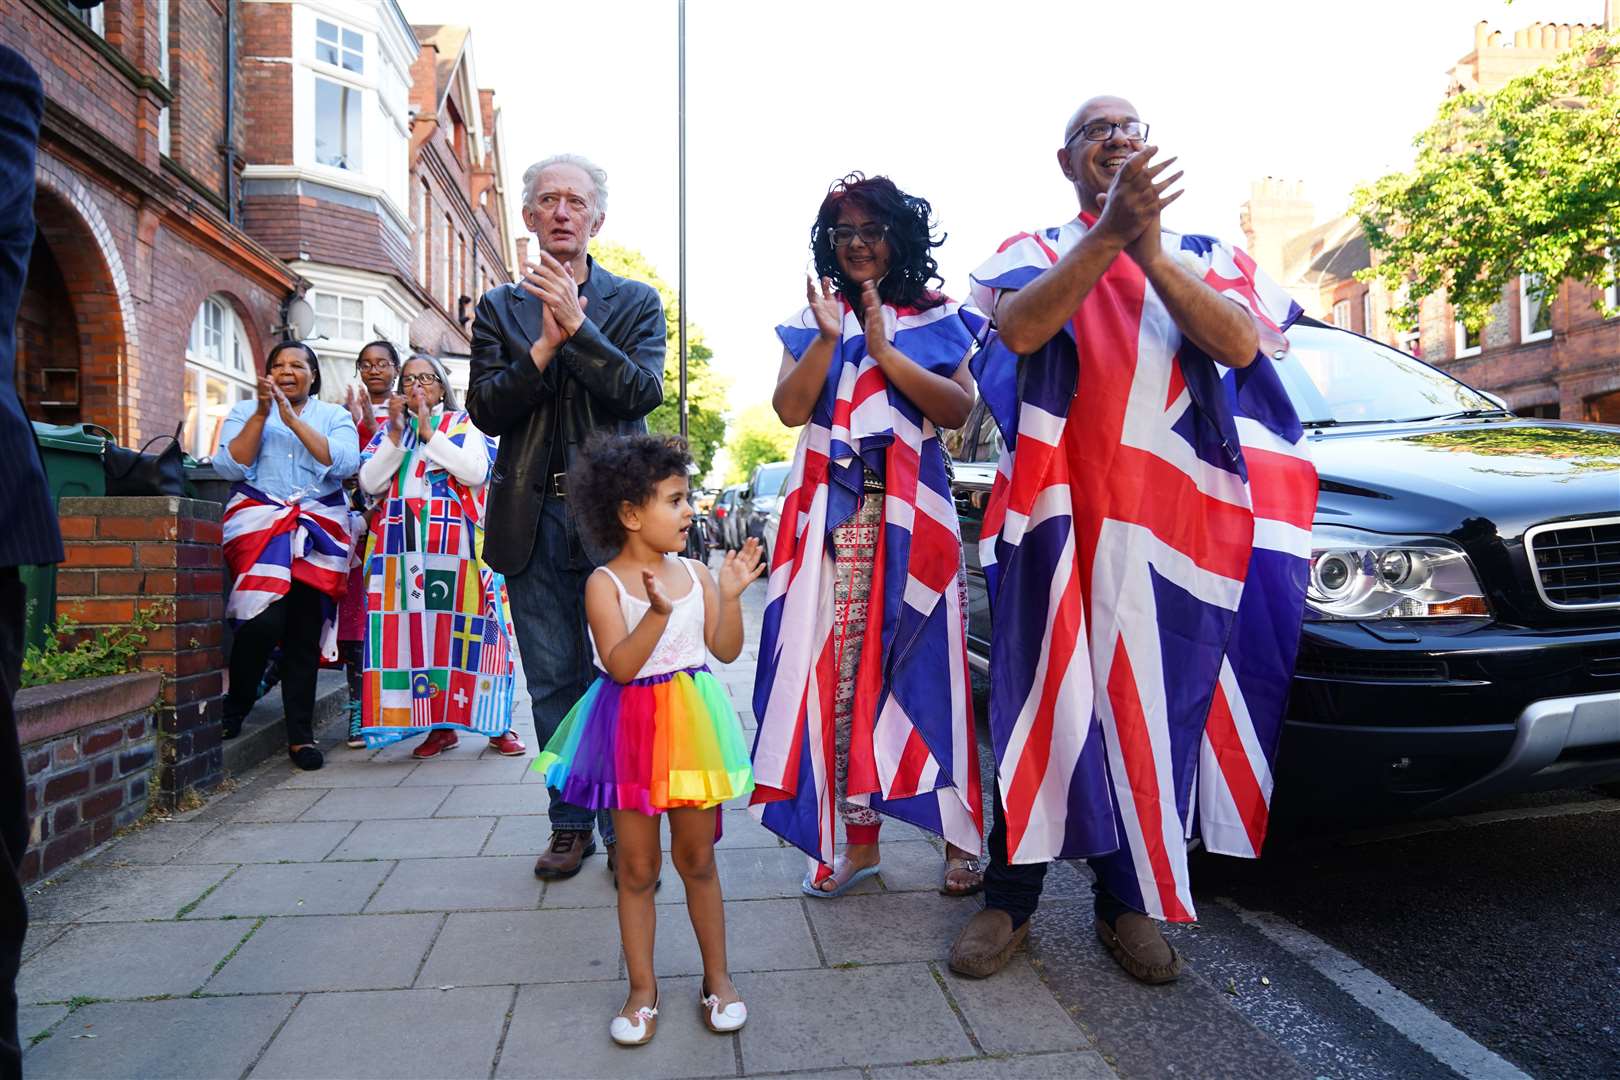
[680, 94]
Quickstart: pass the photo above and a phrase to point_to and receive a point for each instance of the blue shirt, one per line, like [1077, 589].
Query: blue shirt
[285, 468]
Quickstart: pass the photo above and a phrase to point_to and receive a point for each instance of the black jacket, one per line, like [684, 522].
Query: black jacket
[609, 374]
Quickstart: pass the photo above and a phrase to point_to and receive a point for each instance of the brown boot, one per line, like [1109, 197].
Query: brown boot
[568, 848]
[986, 943]
[1138, 945]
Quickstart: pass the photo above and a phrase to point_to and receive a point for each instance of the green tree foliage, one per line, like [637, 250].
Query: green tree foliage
[757, 437]
[1522, 180]
[705, 387]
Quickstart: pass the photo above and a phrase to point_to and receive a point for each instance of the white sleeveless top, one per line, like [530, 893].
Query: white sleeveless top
[681, 646]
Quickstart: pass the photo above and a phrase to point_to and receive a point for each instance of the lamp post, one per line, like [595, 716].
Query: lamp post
[680, 287]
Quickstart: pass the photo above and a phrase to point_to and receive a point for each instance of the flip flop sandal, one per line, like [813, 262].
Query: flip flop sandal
[810, 886]
[955, 863]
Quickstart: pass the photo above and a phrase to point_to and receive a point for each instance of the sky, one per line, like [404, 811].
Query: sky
[961, 103]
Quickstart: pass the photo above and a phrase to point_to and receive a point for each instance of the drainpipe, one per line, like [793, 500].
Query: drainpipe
[229, 147]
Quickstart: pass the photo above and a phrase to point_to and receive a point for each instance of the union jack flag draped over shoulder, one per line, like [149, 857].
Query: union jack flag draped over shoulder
[1146, 548]
[912, 753]
[270, 544]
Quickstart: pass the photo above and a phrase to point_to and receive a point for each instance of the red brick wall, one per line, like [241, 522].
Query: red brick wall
[46, 336]
[266, 83]
[197, 77]
[327, 232]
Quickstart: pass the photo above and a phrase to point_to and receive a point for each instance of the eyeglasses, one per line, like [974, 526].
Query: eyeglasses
[424, 379]
[374, 365]
[1103, 130]
[871, 234]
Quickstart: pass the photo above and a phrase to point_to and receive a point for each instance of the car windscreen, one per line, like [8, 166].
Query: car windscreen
[1337, 377]
[768, 484]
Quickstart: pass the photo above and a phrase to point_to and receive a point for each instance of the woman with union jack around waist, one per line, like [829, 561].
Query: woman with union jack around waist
[862, 691]
[437, 653]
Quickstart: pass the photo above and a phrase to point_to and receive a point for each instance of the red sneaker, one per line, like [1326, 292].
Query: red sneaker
[508, 744]
[437, 741]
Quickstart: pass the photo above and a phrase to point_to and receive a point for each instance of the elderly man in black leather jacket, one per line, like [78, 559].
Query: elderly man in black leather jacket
[567, 350]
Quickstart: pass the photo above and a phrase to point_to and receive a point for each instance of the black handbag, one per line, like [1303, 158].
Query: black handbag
[137, 472]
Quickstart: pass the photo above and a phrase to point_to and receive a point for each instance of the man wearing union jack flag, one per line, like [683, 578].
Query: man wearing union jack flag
[1144, 548]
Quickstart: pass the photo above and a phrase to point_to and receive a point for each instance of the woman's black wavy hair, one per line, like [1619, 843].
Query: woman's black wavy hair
[314, 362]
[912, 267]
[612, 470]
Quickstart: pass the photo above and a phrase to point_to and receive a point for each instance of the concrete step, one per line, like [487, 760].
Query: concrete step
[264, 733]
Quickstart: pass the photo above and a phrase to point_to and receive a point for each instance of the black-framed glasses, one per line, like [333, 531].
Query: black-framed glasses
[374, 365]
[871, 234]
[423, 379]
[1103, 130]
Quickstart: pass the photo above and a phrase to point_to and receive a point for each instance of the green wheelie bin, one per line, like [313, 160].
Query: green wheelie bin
[72, 468]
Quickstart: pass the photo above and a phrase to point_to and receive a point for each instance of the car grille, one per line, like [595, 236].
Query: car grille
[1576, 563]
[1371, 669]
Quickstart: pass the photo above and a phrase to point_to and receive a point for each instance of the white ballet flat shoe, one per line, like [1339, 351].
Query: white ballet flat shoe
[723, 1019]
[635, 1030]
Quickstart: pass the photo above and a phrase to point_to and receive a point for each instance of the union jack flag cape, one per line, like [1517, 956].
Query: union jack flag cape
[270, 544]
[1146, 548]
[912, 753]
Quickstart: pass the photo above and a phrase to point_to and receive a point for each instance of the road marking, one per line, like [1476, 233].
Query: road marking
[1405, 1014]
[1484, 817]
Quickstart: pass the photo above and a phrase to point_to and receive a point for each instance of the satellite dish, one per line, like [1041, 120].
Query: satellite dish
[300, 320]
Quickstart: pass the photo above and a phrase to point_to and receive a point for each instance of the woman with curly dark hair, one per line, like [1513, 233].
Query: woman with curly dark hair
[865, 623]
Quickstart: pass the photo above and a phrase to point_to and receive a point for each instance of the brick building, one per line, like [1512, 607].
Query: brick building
[1551, 355]
[146, 303]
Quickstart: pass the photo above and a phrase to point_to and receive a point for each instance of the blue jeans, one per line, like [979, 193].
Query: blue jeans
[548, 613]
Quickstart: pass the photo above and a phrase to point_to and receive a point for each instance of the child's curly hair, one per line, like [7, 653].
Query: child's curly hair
[612, 470]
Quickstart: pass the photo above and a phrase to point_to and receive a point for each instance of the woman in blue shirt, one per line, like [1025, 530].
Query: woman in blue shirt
[286, 537]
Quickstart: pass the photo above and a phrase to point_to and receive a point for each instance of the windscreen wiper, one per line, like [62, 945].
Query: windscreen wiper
[1464, 414]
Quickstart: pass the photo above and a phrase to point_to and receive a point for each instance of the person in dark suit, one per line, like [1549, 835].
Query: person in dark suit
[30, 537]
[568, 350]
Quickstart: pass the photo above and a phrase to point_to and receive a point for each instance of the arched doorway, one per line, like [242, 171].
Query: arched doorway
[48, 365]
[1604, 408]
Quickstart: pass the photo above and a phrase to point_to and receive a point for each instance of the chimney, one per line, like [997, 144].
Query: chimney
[1277, 211]
[1611, 14]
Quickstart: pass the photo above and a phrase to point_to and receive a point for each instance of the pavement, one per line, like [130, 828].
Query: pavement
[380, 917]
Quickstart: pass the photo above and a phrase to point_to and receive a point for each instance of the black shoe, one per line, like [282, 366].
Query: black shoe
[230, 729]
[308, 758]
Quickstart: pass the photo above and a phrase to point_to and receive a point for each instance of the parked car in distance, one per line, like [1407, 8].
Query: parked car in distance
[724, 515]
[759, 497]
[1462, 628]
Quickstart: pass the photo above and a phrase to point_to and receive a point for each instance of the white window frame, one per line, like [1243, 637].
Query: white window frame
[1410, 342]
[232, 364]
[442, 262]
[1367, 313]
[165, 137]
[1527, 284]
[1611, 295]
[1462, 350]
[355, 332]
[424, 233]
[340, 46]
[95, 18]
[1341, 314]
[344, 79]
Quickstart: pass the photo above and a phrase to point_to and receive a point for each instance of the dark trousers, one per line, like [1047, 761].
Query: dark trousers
[548, 615]
[13, 822]
[1017, 889]
[294, 623]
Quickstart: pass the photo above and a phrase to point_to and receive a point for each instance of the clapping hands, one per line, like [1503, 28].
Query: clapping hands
[657, 598]
[827, 307]
[1134, 201]
[739, 570]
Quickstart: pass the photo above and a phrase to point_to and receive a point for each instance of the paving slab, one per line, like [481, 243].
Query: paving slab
[365, 1035]
[138, 1039]
[156, 843]
[811, 1019]
[486, 948]
[35, 1019]
[295, 889]
[759, 873]
[563, 1031]
[468, 749]
[1087, 1065]
[40, 935]
[495, 770]
[740, 830]
[127, 894]
[359, 774]
[761, 935]
[277, 805]
[593, 887]
[886, 928]
[521, 834]
[485, 883]
[911, 866]
[268, 842]
[415, 838]
[1013, 1012]
[328, 952]
[371, 804]
[128, 960]
[495, 800]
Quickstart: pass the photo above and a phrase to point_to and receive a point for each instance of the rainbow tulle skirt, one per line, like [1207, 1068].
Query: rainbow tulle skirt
[649, 745]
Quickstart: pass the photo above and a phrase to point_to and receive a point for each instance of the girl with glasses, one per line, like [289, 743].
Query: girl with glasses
[868, 559]
[438, 652]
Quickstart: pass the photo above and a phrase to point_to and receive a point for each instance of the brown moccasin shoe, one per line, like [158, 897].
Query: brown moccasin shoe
[561, 860]
[1138, 945]
[986, 943]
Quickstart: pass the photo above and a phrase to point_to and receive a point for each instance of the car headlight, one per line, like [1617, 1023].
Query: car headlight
[1359, 575]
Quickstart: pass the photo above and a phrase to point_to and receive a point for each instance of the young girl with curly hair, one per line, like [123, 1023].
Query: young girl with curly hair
[656, 732]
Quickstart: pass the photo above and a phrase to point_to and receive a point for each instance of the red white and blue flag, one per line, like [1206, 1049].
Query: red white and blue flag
[912, 753]
[1146, 548]
[270, 544]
